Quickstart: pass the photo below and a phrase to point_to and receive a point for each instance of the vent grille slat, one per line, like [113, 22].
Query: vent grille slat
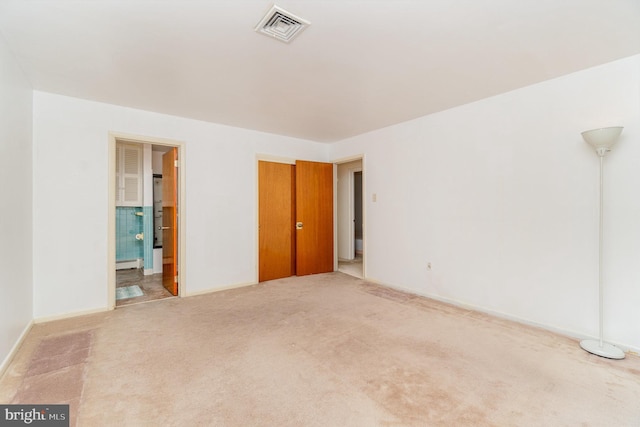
[281, 25]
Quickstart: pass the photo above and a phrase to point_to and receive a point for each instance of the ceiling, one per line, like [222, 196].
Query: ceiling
[360, 66]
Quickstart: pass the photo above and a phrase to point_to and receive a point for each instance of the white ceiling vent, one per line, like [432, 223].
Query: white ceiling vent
[282, 25]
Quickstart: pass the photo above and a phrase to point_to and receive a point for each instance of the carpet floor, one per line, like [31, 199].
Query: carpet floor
[322, 350]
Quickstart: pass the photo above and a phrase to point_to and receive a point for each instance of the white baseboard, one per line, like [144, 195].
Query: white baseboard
[499, 314]
[134, 263]
[14, 350]
[223, 288]
[69, 315]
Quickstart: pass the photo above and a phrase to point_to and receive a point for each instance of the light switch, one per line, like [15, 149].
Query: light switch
[374, 197]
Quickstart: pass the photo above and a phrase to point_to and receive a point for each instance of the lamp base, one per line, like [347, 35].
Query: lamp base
[607, 350]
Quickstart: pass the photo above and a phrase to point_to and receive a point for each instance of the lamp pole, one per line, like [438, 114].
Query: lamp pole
[602, 140]
[600, 240]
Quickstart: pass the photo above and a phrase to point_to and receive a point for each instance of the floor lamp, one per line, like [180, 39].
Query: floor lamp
[602, 140]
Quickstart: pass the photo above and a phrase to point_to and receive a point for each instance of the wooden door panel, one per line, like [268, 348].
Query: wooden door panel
[170, 221]
[314, 209]
[276, 207]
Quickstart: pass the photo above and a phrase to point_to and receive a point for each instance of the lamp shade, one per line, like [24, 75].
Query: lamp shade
[602, 139]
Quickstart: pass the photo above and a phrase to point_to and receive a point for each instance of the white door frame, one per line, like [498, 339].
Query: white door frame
[111, 222]
[351, 210]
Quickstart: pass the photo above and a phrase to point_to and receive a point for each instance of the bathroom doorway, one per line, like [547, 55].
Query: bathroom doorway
[144, 226]
[350, 214]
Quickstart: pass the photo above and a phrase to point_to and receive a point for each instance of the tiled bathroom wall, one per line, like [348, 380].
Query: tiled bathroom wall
[128, 224]
[131, 221]
[148, 237]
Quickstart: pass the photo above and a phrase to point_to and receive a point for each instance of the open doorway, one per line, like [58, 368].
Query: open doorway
[350, 218]
[144, 233]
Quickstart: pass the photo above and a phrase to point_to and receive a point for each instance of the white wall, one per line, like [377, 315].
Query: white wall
[16, 285]
[501, 197]
[70, 198]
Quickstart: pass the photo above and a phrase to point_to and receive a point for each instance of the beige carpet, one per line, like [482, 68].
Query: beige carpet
[324, 350]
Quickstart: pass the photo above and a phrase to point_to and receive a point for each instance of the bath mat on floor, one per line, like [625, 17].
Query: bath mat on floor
[128, 292]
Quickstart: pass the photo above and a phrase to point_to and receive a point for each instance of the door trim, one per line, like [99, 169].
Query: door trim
[111, 208]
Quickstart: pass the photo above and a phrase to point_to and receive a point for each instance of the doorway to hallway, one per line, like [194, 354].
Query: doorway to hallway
[350, 217]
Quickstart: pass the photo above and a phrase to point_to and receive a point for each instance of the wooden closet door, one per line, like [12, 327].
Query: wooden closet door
[276, 205]
[314, 217]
